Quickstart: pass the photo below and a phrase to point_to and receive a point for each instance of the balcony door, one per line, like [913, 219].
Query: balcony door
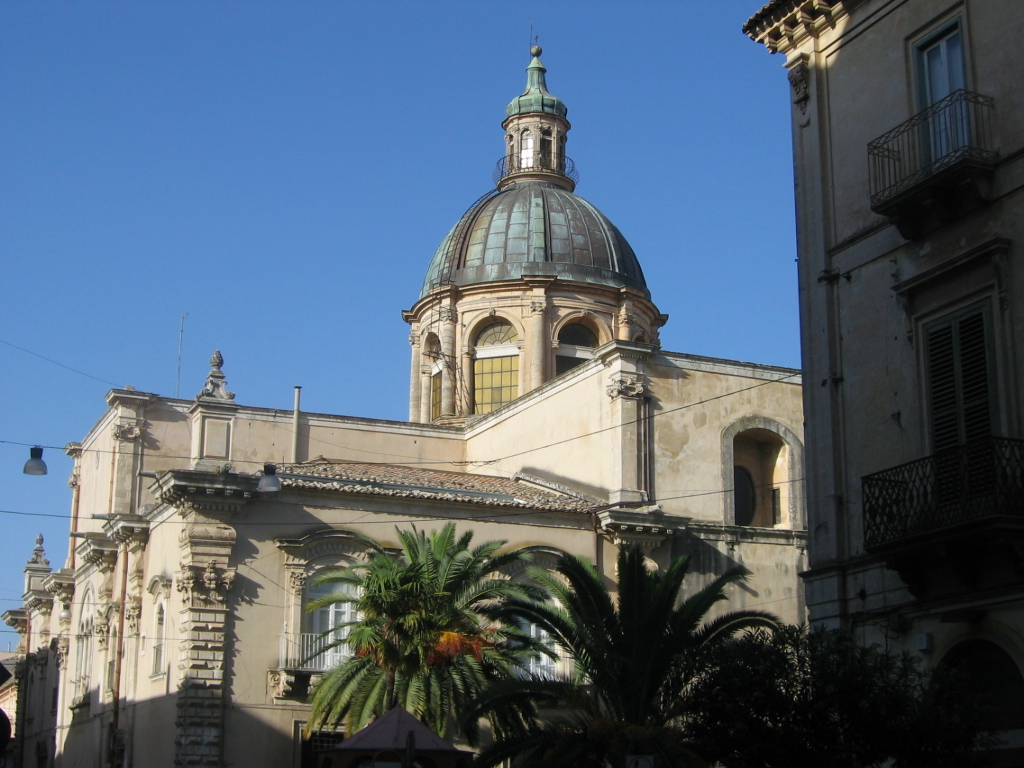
[316, 646]
[941, 72]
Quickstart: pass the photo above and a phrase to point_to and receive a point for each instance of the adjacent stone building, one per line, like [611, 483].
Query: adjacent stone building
[542, 411]
[908, 136]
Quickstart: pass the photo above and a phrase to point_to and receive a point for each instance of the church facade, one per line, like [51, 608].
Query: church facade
[543, 411]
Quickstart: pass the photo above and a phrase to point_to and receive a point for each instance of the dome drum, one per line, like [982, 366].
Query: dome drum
[529, 282]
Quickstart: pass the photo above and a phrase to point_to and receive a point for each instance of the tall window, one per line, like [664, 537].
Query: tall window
[496, 367]
[336, 616]
[542, 665]
[941, 72]
[159, 633]
[435, 396]
[576, 344]
[545, 148]
[526, 150]
[959, 370]
[112, 650]
[744, 495]
[83, 646]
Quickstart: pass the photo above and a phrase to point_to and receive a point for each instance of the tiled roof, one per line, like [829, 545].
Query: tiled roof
[418, 482]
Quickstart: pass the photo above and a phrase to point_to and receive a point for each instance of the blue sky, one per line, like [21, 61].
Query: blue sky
[283, 171]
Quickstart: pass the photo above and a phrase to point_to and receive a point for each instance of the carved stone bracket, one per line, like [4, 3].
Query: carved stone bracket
[798, 80]
[626, 386]
[126, 433]
[282, 683]
[209, 585]
[448, 314]
[63, 646]
[132, 612]
[101, 628]
[538, 307]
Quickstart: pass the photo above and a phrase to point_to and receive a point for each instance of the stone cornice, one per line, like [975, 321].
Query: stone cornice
[782, 25]
[129, 398]
[96, 549]
[630, 350]
[16, 619]
[61, 584]
[205, 491]
[648, 527]
[127, 529]
[38, 601]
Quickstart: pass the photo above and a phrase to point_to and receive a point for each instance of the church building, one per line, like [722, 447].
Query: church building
[542, 411]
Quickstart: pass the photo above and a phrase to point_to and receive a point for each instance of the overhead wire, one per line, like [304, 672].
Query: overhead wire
[474, 462]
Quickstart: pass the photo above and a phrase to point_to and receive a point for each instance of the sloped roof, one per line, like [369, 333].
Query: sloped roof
[419, 482]
[391, 732]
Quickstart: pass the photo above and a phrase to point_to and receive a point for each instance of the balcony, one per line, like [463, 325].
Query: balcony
[308, 652]
[936, 166]
[951, 521]
[514, 168]
[302, 659]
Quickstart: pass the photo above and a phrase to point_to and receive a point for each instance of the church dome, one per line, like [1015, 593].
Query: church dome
[534, 228]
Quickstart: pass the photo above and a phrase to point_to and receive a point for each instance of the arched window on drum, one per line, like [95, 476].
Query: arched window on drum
[495, 367]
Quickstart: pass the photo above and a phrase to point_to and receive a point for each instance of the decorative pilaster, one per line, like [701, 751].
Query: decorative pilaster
[537, 350]
[415, 379]
[206, 501]
[448, 319]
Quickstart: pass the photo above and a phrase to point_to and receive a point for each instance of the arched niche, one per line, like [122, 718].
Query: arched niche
[772, 456]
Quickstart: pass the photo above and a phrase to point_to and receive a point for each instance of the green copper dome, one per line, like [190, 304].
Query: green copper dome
[534, 228]
[536, 97]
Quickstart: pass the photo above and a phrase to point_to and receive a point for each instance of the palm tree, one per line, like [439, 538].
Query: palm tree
[424, 638]
[622, 696]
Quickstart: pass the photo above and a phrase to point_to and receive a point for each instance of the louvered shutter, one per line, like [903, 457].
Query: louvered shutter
[958, 360]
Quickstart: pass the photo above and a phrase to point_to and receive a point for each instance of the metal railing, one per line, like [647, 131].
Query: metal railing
[509, 165]
[309, 651]
[982, 479]
[953, 129]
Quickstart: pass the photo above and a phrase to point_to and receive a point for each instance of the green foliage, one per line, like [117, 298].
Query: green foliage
[803, 699]
[619, 697]
[425, 638]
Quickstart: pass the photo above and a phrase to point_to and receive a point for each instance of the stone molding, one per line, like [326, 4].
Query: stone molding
[648, 526]
[783, 25]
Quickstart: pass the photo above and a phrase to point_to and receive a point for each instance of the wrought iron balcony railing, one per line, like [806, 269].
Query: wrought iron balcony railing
[510, 165]
[978, 481]
[308, 651]
[952, 130]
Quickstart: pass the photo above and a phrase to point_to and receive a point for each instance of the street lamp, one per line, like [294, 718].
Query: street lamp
[269, 482]
[35, 465]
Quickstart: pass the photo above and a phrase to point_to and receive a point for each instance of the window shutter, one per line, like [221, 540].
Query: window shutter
[958, 363]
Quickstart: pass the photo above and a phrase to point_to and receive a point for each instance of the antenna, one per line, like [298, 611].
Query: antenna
[181, 334]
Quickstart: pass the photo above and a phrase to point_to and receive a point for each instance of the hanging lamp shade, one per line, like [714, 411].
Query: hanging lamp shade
[269, 482]
[35, 465]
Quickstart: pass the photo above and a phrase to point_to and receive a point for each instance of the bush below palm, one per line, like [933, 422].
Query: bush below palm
[622, 696]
